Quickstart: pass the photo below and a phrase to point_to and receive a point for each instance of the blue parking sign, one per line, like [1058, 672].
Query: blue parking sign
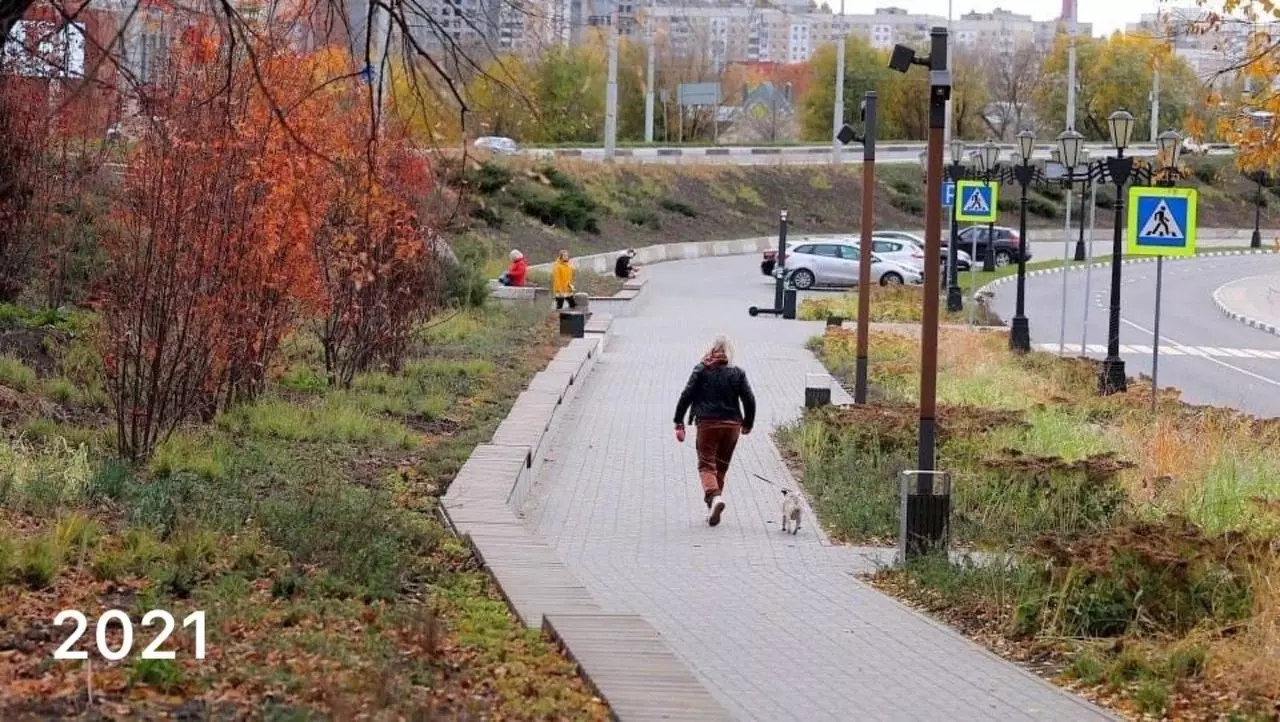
[948, 194]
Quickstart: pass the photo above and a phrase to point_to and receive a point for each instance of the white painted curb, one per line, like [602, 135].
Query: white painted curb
[1242, 318]
[1107, 264]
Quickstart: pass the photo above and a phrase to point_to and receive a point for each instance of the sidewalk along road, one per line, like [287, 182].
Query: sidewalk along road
[778, 627]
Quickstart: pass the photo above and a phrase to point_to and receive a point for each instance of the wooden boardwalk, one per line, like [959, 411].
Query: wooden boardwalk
[631, 666]
[625, 659]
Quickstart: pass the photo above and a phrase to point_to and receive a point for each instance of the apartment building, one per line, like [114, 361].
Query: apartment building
[1208, 52]
[791, 35]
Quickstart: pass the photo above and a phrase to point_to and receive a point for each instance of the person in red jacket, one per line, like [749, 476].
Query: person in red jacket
[516, 273]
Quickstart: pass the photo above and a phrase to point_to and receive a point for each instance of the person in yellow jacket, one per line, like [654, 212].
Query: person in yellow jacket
[562, 281]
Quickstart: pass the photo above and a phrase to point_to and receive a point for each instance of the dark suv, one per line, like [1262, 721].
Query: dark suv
[978, 242]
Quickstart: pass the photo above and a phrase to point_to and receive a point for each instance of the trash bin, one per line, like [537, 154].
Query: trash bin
[924, 513]
[836, 321]
[573, 323]
[789, 304]
[817, 390]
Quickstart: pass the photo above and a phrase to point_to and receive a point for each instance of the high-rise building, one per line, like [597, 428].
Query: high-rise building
[1212, 52]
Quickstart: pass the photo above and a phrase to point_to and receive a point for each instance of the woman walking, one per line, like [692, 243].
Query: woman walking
[723, 407]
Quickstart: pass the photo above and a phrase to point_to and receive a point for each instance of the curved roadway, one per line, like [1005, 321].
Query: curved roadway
[1233, 375]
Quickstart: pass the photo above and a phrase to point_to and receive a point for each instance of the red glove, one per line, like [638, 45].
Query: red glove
[680, 433]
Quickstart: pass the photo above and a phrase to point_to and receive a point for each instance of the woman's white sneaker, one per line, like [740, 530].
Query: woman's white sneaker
[717, 508]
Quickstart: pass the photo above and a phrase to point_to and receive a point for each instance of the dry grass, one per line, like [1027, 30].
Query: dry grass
[1216, 467]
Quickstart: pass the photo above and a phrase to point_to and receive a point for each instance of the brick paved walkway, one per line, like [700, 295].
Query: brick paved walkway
[778, 627]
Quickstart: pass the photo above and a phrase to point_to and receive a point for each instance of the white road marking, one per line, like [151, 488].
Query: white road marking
[1224, 364]
[1170, 349]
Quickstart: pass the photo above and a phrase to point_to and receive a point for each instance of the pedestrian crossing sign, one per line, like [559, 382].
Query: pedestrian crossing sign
[977, 201]
[1162, 221]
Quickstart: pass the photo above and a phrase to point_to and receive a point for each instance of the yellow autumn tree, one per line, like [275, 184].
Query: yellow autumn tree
[1243, 112]
[425, 104]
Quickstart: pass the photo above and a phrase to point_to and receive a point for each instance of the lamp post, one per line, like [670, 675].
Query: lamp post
[1024, 173]
[956, 172]
[901, 60]
[1085, 183]
[988, 158]
[1260, 177]
[1112, 378]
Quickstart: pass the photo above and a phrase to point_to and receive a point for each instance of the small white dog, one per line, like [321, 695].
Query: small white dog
[790, 512]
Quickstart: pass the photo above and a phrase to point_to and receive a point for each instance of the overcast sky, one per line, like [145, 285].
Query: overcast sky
[1106, 15]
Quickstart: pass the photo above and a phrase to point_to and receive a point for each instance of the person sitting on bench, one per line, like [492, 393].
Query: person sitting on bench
[515, 275]
[624, 268]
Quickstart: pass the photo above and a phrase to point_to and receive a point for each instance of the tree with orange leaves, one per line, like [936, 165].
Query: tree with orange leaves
[248, 209]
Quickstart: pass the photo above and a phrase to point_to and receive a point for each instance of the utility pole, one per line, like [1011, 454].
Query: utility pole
[648, 77]
[1155, 104]
[869, 131]
[611, 91]
[837, 120]
[946, 133]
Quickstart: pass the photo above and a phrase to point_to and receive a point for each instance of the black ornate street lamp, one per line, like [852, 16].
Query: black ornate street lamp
[1085, 179]
[956, 172]
[988, 161]
[1112, 379]
[1024, 173]
[1169, 147]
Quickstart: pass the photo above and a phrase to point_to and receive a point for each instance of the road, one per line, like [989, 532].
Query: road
[894, 152]
[1218, 361]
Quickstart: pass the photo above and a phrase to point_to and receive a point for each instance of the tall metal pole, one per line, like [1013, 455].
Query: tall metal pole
[1080, 249]
[780, 264]
[611, 92]
[1155, 104]
[955, 299]
[1255, 241]
[939, 93]
[648, 78]
[946, 136]
[989, 258]
[864, 249]
[1066, 251]
[1155, 338]
[837, 112]
[1088, 268]
[1071, 73]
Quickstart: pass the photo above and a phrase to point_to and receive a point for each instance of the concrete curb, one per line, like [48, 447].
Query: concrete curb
[616, 653]
[990, 287]
[603, 262]
[1245, 319]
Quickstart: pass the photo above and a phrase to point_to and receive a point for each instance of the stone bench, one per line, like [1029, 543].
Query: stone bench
[623, 302]
[598, 327]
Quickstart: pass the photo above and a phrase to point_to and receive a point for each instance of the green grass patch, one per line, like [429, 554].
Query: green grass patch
[338, 418]
[15, 374]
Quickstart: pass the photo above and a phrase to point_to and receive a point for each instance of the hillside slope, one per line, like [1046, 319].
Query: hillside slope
[590, 208]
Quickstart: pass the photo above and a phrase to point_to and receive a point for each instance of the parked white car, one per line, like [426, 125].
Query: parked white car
[497, 144]
[836, 263]
[882, 238]
[1193, 146]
